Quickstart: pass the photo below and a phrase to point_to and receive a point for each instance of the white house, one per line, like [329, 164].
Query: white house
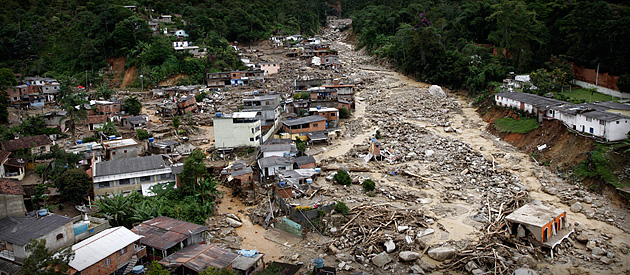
[278, 150]
[131, 174]
[240, 129]
[270, 165]
[270, 67]
[607, 120]
[594, 119]
[530, 103]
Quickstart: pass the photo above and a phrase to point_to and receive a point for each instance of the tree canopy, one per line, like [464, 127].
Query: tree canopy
[469, 44]
[44, 262]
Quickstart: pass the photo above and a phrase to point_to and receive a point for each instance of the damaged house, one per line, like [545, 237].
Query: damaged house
[547, 225]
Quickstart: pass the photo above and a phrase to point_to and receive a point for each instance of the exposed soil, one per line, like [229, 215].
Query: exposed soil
[130, 76]
[172, 80]
[564, 148]
[116, 69]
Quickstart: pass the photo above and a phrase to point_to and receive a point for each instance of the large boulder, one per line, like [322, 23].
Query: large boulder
[436, 90]
[381, 259]
[233, 223]
[408, 256]
[442, 253]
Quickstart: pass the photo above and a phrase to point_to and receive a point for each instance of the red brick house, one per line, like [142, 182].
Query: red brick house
[107, 107]
[113, 250]
[304, 124]
[187, 104]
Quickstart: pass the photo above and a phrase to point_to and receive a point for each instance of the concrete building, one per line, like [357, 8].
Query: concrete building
[609, 121]
[131, 174]
[331, 115]
[240, 129]
[278, 150]
[11, 198]
[87, 151]
[135, 122]
[270, 67]
[268, 107]
[218, 79]
[304, 124]
[163, 236]
[113, 251]
[121, 148]
[16, 232]
[270, 165]
[547, 225]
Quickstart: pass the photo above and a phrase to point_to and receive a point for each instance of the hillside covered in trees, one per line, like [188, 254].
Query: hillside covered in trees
[72, 38]
[452, 42]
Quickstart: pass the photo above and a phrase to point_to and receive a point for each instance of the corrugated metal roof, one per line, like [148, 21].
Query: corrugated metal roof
[122, 166]
[199, 257]
[20, 230]
[164, 232]
[303, 120]
[94, 249]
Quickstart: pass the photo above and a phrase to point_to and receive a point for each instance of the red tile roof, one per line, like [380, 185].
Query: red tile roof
[25, 142]
[11, 187]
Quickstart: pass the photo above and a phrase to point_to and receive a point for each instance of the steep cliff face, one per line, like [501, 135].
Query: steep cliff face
[563, 148]
[600, 167]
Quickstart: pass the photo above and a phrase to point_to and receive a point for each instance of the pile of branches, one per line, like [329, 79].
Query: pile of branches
[496, 246]
[372, 225]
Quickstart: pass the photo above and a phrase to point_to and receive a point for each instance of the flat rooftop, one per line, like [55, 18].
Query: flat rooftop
[534, 214]
[115, 143]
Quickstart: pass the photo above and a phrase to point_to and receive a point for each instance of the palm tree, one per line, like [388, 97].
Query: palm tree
[73, 104]
[117, 207]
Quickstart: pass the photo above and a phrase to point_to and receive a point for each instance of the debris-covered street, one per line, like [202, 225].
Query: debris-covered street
[443, 189]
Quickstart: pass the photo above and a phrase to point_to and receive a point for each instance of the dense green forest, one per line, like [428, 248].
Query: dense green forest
[69, 38]
[441, 41]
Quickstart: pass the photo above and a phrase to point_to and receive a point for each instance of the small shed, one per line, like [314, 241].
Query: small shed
[547, 225]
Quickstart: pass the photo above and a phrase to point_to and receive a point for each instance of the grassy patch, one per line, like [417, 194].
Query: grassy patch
[585, 95]
[510, 125]
[598, 165]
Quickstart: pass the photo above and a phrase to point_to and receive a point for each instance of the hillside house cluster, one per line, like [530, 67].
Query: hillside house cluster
[235, 78]
[34, 92]
[607, 121]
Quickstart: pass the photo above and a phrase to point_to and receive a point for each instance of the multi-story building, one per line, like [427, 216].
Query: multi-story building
[121, 148]
[240, 129]
[268, 107]
[131, 174]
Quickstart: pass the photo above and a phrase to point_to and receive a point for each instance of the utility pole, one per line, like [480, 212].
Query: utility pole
[86, 81]
[141, 82]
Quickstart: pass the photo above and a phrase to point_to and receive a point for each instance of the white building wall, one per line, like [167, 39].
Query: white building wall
[229, 134]
[589, 125]
[617, 130]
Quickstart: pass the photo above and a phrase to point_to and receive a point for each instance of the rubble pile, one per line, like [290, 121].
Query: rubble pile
[370, 230]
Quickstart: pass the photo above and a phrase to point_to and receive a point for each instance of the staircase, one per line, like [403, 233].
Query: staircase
[131, 264]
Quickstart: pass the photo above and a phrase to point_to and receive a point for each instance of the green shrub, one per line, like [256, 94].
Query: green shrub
[40, 168]
[89, 139]
[368, 185]
[142, 134]
[344, 113]
[341, 207]
[342, 178]
[378, 135]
